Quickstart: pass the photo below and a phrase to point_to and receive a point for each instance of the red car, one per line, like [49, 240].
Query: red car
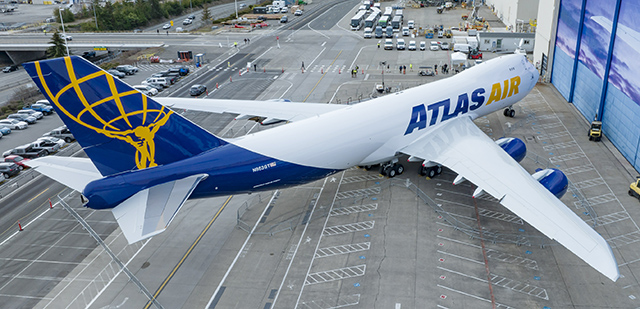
[474, 54]
[17, 160]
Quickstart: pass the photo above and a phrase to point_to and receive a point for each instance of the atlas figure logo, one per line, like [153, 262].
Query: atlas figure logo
[419, 112]
[135, 123]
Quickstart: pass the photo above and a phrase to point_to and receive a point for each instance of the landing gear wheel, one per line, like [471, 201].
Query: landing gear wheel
[399, 169]
[512, 113]
[367, 167]
[506, 112]
[423, 171]
[438, 170]
[431, 172]
[391, 172]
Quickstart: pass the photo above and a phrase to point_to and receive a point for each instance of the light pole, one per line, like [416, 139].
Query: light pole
[94, 13]
[236, 5]
[66, 43]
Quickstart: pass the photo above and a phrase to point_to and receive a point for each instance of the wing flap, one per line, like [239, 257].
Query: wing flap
[465, 149]
[289, 111]
[150, 211]
[74, 173]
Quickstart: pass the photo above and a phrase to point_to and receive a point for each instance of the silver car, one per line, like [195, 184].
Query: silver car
[22, 117]
[31, 112]
[52, 139]
[14, 124]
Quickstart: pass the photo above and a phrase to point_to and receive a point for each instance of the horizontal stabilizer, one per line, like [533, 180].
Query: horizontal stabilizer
[149, 212]
[74, 173]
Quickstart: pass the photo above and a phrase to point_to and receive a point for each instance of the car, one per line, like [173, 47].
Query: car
[434, 46]
[10, 69]
[192, 17]
[400, 44]
[146, 88]
[284, 10]
[423, 45]
[388, 44]
[116, 73]
[66, 37]
[47, 146]
[5, 130]
[298, 13]
[52, 139]
[14, 124]
[187, 22]
[405, 31]
[367, 33]
[155, 86]
[214, 27]
[411, 24]
[242, 6]
[9, 169]
[284, 19]
[44, 102]
[197, 90]
[166, 26]
[127, 69]
[31, 112]
[444, 45]
[475, 54]
[22, 117]
[61, 132]
[20, 161]
[182, 70]
[262, 18]
[412, 45]
[44, 109]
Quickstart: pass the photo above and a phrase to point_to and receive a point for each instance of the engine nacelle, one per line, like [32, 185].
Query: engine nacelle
[515, 147]
[554, 180]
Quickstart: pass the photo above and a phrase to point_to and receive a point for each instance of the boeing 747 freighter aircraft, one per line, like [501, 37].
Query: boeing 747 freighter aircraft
[145, 160]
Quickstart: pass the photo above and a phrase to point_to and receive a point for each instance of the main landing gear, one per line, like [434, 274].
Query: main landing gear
[431, 171]
[391, 169]
[509, 112]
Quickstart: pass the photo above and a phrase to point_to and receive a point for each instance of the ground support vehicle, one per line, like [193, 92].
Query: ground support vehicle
[595, 132]
[634, 188]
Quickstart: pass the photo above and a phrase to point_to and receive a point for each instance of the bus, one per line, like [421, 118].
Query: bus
[388, 11]
[357, 21]
[383, 21]
[371, 20]
[396, 23]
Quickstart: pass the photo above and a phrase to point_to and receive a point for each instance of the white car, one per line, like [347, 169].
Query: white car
[187, 21]
[400, 44]
[284, 10]
[434, 46]
[367, 33]
[52, 139]
[30, 112]
[66, 37]
[412, 45]
[405, 31]
[13, 124]
[444, 45]
[166, 26]
[146, 89]
[423, 45]
[298, 13]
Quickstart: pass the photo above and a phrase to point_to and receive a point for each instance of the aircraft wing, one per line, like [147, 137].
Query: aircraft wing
[74, 173]
[460, 145]
[149, 212]
[288, 111]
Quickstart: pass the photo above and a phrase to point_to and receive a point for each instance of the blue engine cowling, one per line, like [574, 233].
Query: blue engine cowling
[515, 147]
[554, 180]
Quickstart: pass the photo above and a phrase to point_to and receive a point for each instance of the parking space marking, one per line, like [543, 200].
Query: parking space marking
[336, 274]
[359, 178]
[567, 157]
[348, 228]
[507, 283]
[353, 209]
[546, 126]
[357, 193]
[488, 213]
[24, 296]
[343, 301]
[611, 218]
[498, 255]
[578, 169]
[343, 249]
[589, 183]
[460, 257]
[560, 146]
[600, 199]
[625, 239]
[43, 261]
[498, 305]
[552, 135]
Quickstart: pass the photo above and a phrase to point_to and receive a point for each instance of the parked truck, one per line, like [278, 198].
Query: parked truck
[47, 146]
[62, 133]
[26, 151]
[44, 109]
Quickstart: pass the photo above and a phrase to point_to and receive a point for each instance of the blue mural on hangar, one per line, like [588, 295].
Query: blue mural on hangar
[586, 26]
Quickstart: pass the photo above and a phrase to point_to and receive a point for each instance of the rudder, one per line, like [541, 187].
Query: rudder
[119, 128]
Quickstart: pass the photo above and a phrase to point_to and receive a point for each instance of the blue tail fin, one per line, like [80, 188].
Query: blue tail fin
[119, 128]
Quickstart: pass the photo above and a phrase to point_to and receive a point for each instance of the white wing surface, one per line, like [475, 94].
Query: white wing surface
[74, 173]
[289, 111]
[460, 145]
[149, 212]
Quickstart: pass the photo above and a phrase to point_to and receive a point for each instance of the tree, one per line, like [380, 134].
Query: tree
[206, 14]
[58, 49]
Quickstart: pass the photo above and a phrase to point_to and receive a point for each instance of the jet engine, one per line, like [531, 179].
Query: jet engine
[553, 179]
[515, 147]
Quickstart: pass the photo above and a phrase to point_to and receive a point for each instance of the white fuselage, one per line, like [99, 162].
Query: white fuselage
[374, 131]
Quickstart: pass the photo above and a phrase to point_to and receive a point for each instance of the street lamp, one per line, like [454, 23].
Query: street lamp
[66, 43]
[236, 4]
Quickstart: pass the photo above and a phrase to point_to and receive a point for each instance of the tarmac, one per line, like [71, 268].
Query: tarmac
[355, 239]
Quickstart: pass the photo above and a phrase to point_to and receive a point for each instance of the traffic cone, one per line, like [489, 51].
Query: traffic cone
[19, 226]
[322, 71]
[339, 71]
[230, 80]
[50, 204]
[282, 70]
[216, 85]
[264, 70]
